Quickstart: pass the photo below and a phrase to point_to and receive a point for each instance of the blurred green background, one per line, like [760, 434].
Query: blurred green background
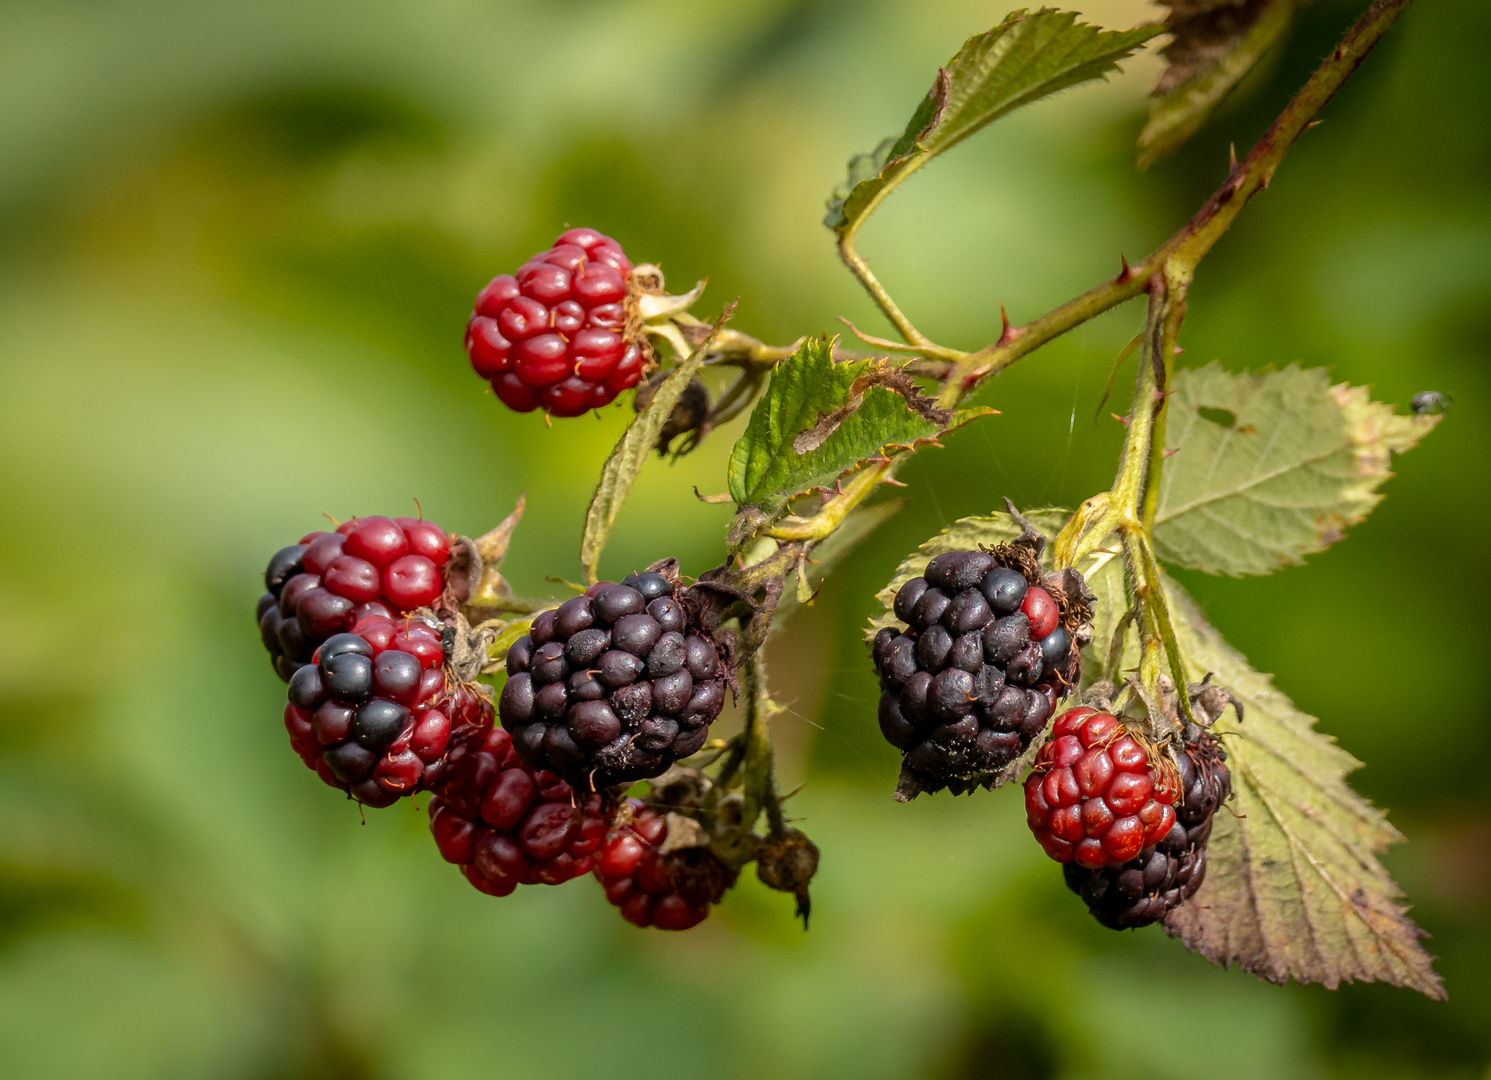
[237, 246]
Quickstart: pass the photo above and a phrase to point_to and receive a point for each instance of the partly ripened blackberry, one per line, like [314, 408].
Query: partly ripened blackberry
[377, 715]
[1168, 872]
[506, 825]
[670, 891]
[559, 334]
[613, 686]
[975, 674]
[329, 581]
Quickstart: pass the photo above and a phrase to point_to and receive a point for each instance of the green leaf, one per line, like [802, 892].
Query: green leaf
[1293, 887]
[1026, 57]
[630, 454]
[819, 419]
[962, 535]
[1214, 45]
[1270, 467]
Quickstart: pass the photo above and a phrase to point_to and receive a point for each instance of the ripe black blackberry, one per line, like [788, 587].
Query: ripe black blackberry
[988, 649]
[1166, 875]
[615, 685]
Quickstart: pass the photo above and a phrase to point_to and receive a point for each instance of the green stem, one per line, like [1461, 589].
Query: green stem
[1177, 284]
[760, 784]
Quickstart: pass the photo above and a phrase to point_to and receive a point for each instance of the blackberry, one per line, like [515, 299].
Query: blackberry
[1094, 796]
[1166, 874]
[330, 581]
[615, 685]
[376, 714]
[977, 670]
[561, 333]
[672, 890]
[506, 825]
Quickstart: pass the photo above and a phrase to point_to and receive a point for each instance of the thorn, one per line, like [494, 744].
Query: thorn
[1313, 124]
[1126, 271]
[1231, 156]
[1007, 333]
[1161, 395]
[1171, 453]
[1177, 350]
[1124, 420]
[893, 482]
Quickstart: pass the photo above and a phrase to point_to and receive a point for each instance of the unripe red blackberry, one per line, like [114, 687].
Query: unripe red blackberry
[560, 333]
[670, 892]
[1167, 873]
[330, 581]
[613, 686]
[976, 672]
[506, 825]
[1094, 796]
[376, 714]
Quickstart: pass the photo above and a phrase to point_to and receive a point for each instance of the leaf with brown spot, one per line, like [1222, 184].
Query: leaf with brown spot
[1214, 44]
[1270, 467]
[821, 419]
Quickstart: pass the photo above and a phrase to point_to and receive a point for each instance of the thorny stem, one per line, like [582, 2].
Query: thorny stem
[1187, 247]
[1165, 275]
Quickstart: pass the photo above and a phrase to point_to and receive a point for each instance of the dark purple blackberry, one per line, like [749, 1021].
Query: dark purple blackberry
[613, 686]
[1161, 878]
[977, 671]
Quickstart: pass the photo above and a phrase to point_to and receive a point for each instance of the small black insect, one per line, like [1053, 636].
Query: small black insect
[1430, 401]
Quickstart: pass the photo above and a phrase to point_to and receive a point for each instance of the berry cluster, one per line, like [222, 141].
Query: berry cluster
[332, 580]
[975, 674]
[556, 334]
[506, 825]
[613, 686]
[670, 892]
[375, 713]
[1163, 876]
[1094, 797]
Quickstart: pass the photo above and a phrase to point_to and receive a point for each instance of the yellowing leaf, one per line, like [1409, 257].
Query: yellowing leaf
[1293, 887]
[1215, 43]
[1270, 467]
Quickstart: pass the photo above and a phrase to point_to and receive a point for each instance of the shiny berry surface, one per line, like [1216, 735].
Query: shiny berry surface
[330, 581]
[506, 825]
[1093, 796]
[552, 336]
[374, 713]
[613, 686]
[974, 674]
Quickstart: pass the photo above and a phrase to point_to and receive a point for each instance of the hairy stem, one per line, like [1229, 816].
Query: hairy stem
[760, 782]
